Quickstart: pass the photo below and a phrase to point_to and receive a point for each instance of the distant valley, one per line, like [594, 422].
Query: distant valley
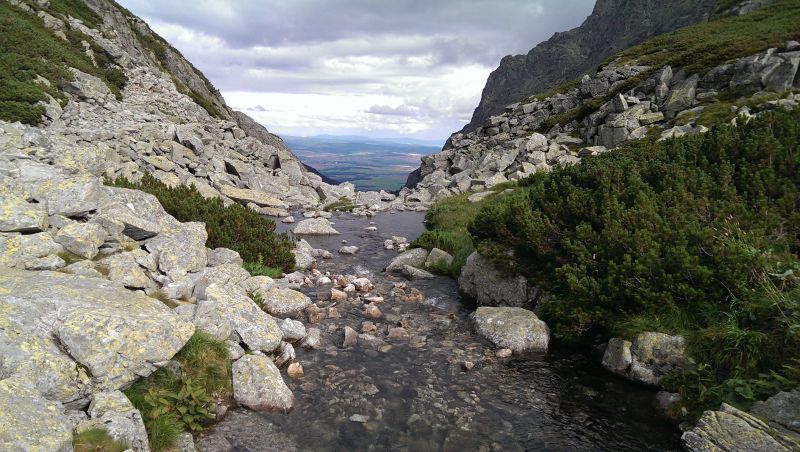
[369, 163]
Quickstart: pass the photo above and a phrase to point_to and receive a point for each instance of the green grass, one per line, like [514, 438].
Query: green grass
[235, 227]
[697, 236]
[28, 50]
[259, 269]
[342, 205]
[97, 440]
[77, 9]
[205, 368]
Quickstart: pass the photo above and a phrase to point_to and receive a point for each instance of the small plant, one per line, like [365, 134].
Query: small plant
[170, 404]
[97, 440]
[258, 268]
[191, 405]
[257, 298]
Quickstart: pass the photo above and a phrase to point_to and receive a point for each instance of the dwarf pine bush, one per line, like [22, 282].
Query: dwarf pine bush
[235, 226]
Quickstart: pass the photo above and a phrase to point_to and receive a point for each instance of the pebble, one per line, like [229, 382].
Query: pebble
[467, 365]
[338, 295]
[503, 353]
[359, 418]
[295, 370]
[372, 311]
[368, 327]
[350, 337]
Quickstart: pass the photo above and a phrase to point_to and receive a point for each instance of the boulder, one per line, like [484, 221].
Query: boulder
[414, 257]
[303, 259]
[283, 302]
[114, 413]
[180, 249]
[416, 273]
[82, 239]
[315, 226]
[514, 328]
[18, 215]
[258, 385]
[730, 429]
[682, 96]
[648, 359]
[482, 281]
[438, 257]
[292, 330]
[87, 87]
[28, 421]
[220, 256]
[55, 325]
[781, 410]
[348, 250]
[313, 339]
[255, 327]
[122, 268]
[246, 196]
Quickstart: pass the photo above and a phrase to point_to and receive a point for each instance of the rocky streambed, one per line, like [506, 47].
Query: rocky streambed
[414, 375]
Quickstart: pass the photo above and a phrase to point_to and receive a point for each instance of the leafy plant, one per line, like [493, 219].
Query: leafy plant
[234, 226]
[171, 404]
[191, 405]
[257, 298]
[259, 268]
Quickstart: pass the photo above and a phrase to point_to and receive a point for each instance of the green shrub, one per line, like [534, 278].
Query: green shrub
[698, 235]
[97, 440]
[257, 298]
[171, 404]
[234, 226]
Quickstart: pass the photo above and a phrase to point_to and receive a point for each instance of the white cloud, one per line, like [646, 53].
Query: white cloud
[406, 67]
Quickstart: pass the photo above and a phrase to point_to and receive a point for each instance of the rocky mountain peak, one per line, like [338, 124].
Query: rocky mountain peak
[613, 26]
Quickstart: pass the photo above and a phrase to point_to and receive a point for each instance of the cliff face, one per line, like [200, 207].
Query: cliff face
[613, 26]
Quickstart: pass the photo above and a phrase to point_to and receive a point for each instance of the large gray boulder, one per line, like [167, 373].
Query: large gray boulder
[246, 196]
[648, 359]
[28, 421]
[70, 336]
[438, 257]
[181, 249]
[482, 281]
[114, 413]
[513, 328]
[315, 226]
[257, 329]
[414, 257]
[258, 385]
[733, 430]
[781, 410]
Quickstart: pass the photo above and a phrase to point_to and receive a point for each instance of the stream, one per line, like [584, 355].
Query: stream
[413, 394]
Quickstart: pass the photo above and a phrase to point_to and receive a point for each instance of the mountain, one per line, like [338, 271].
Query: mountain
[682, 82]
[613, 26]
[368, 163]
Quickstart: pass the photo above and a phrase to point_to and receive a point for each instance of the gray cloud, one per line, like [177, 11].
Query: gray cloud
[418, 60]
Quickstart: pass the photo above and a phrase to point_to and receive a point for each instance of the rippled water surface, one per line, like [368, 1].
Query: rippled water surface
[413, 394]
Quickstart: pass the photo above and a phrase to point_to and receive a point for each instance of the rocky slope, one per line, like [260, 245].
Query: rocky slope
[614, 25]
[171, 122]
[622, 101]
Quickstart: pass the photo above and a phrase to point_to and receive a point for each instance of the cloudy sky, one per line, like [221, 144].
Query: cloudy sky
[382, 68]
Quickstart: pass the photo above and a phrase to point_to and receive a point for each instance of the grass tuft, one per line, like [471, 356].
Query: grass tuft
[97, 440]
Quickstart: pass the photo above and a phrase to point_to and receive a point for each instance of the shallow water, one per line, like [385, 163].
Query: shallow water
[416, 395]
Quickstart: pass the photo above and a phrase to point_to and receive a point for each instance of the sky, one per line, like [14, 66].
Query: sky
[378, 68]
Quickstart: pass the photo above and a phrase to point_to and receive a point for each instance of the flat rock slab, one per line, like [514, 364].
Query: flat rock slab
[30, 422]
[730, 429]
[50, 321]
[513, 328]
